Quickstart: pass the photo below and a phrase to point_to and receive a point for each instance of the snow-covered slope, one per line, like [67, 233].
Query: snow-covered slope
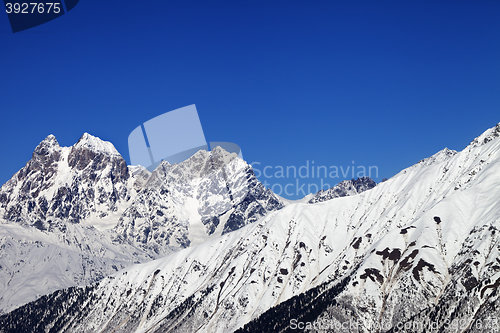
[46, 236]
[75, 214]
[424, 242]
[67, 184]
[343, 189]
[209, 194]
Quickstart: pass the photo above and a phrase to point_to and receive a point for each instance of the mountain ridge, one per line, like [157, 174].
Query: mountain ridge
[79, 200]
[405, 248]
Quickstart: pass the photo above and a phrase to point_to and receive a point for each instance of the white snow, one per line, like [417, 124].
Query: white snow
[96, 144]
[313, 244]
[462, 189]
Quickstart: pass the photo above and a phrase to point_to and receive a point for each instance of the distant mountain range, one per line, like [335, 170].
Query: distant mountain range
[74, 215]
[419, 252]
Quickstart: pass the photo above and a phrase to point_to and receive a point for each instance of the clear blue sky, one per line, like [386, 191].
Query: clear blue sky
[382, 83]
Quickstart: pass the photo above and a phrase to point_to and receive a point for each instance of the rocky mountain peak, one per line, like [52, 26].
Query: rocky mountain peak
[221, 154]
[489, 135]
[218, 158]
[440, 156]
[96, 154]
[46, 147]
[344, 188]
[95, 144]
[201, 164]
[42, 166]
[66, 184]
[49, 141]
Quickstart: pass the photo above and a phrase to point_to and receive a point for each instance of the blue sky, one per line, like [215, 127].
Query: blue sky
[380, 83]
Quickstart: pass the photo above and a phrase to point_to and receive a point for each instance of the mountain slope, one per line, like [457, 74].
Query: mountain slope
[75, 214]
[67, 184]
[406, 248]
[46, 238]
[209, 194]
[343, 189]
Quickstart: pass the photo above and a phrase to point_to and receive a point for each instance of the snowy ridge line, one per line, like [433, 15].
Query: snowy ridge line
[91, 142]
[80, 213]
[424, 241]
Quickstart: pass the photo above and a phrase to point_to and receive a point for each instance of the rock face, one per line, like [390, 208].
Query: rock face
[81, 213]
[417, 253]
[47, 209]
[60, 185]
[208, 195]
[344, 188]
[75, 214]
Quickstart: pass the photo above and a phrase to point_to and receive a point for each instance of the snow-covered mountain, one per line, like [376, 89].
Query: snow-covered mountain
[421, 248]
[47, 210]
[209, 194]
[74, 215]
[68, 184]
[343, 189]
